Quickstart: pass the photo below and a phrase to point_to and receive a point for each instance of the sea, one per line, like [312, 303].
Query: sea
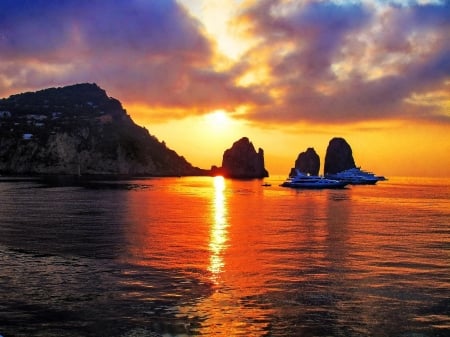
[208, 256]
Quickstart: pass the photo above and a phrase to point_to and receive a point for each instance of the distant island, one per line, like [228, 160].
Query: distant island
[79, 130]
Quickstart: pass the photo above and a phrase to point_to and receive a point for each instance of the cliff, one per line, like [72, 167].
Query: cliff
[78, 129]
[338, 157]
[307, 162]
[242, 161]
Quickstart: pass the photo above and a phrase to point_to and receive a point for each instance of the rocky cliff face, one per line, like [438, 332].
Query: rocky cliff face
[338, 157]
[307, 162]
[242, 161]
[79, 130]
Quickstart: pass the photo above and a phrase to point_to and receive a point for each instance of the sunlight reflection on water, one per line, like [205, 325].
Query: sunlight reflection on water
[219, 233]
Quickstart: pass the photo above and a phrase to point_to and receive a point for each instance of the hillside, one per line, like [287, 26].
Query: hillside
[78, 129]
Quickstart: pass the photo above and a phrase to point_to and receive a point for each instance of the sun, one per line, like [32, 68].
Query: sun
[218, 119]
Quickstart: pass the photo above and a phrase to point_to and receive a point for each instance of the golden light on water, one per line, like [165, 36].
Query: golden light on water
[218, 234]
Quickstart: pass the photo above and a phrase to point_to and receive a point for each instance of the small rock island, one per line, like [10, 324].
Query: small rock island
[80, 130]
[307, 162]
[241, 161]
[339, 156]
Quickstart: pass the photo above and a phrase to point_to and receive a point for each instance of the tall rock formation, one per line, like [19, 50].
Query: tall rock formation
[79, 129]
[307, 162]
[339, 156]
[242, 161]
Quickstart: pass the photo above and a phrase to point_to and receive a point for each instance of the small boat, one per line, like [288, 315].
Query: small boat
[301, 180]
[356, 176]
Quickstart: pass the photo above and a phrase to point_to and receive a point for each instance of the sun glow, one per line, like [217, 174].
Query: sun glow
[218, 119]
[217, 17]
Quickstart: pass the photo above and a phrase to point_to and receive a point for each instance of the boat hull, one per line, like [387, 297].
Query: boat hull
[356, 176]
[355, 180]
[315, 186]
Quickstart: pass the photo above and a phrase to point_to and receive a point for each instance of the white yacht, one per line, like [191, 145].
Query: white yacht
[356, 176]
[301, 180]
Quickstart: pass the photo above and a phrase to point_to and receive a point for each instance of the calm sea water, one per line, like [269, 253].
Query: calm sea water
[211, 257]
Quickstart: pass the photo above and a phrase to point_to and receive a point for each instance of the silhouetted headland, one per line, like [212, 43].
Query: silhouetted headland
[79, 130]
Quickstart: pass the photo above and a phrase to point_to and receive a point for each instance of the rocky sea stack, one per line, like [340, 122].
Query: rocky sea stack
[338, 157]
[78, 129]
[307, 162]
[242, 161]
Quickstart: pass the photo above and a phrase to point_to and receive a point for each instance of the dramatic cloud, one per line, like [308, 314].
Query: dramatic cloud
[148, 52]
[308, 61]
[351, 61]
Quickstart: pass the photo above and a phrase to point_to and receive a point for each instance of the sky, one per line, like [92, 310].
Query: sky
[287, 74]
